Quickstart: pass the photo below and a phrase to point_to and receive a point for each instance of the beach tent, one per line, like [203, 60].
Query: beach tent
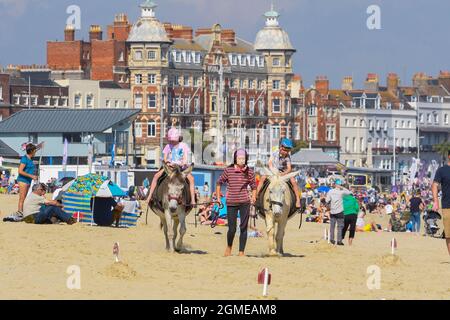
[79, 192]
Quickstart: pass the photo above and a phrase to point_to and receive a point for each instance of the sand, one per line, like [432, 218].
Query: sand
[35, 260]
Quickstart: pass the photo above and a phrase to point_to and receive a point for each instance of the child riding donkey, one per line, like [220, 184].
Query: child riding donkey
[175, 154]
[280, 161]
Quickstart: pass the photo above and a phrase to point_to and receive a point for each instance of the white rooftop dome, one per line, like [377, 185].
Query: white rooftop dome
[148, 28]
[273, 37]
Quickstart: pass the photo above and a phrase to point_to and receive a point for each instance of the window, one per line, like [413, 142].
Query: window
[396, 123]
[436, 118]
[176, 80]
[138, 101]
[151, 78]
[54, 102]
[197, 105]
[347, 122]
[276, 105]
[260, 85]
[152, 55]
[354, 123]
[370, 124]
[347, 144]
[276, 84]
[46, 101]
[138, 129]
[138, 55]
[287, 106]
[243, 107]
[214, 104]
[261, 108]
[177, 56]
[428, 117]
[151, 101]
[233, 106]
[241, 84]
[361, 143]
[251, 84]
[197, 57]
[187, 105]
[421, 118]
[196, 81]
[108, 103]
[276, 62]
[89, 101]
[33, 138]
[446, 118]
[276, 131]
[212, 85]
[355, 146]
[77, 101]
[312, 132]
[186, 81]
[188, 57]
[243, 60]
[385, 125]
[151, 128]
[72, 137]
[1, 93]
[409, 124]
[34, 101]
[138, 78]
[234, 60]
[331, 132]
[125, 103]
[252, 61]
[251, 106]
[261, 61]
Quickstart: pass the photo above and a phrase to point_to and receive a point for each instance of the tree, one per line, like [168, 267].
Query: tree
[443, 149]
[299, 144]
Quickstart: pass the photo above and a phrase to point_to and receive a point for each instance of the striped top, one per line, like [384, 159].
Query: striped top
[238, 181]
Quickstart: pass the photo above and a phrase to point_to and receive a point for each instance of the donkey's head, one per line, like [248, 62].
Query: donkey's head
[175, 186]
[278, 189]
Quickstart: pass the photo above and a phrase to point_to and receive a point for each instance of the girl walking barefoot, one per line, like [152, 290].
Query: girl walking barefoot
[238, 178]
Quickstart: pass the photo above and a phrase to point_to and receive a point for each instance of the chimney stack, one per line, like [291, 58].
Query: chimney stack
[372, 82]
[420, 79]
[95, 33]
[393, 82]
[322, 85]
[69, 33]
[347, 83]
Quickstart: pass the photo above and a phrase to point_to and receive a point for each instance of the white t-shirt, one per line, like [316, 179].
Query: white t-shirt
[32, 204]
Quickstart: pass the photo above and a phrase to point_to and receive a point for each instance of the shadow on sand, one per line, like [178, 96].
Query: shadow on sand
[286, 255]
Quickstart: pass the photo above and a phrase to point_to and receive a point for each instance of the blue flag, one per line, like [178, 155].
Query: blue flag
[113, 154]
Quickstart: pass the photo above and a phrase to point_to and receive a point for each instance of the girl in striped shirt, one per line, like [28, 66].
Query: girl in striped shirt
[239, 178]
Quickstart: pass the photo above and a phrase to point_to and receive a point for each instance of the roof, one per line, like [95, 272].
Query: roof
[148, 30]
[65, 120]
[109, 85]
[6, 151]
[312, 157]
[273, 38]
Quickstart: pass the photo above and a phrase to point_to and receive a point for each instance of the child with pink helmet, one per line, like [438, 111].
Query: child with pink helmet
[175, 153]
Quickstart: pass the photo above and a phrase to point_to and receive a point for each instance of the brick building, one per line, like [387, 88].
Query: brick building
[212, 79]
[317, 119]
[96, 59]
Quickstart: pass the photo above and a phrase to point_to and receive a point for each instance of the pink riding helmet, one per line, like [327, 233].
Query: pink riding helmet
[173, 135]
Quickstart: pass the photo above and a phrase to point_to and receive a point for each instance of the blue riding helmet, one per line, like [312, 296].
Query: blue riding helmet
[287, 143]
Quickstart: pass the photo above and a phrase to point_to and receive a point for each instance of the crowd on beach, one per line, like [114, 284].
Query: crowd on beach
[325, 200]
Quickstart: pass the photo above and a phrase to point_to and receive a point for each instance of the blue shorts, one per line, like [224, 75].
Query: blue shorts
[24, 179]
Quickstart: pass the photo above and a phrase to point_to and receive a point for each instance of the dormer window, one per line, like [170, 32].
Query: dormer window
[138, 55]
[177, 56]
[276, 62]
[261, 62]
[252, 61]
[188, 57]
[197, 57]
[152, 55]
[243, 60]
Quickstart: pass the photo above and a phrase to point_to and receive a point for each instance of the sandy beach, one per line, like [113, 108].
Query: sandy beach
[35, 260]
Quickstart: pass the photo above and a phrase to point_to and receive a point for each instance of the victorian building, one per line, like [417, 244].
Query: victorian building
[209, 80]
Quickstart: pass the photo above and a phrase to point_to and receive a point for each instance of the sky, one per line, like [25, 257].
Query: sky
[331, 36]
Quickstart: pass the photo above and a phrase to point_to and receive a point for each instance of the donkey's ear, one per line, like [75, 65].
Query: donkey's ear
[188, 171]
[290, 175]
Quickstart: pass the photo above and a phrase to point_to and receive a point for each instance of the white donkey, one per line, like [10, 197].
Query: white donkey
[173, 191]
[277, 205]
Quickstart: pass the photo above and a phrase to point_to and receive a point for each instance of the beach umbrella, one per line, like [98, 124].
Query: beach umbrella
[323, 189]
[94, 185]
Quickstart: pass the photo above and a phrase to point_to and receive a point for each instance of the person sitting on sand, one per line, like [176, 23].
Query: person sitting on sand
[362, 226]
[38, 210]
[205, 213]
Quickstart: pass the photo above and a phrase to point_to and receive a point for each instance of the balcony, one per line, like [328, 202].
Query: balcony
[389, 151]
